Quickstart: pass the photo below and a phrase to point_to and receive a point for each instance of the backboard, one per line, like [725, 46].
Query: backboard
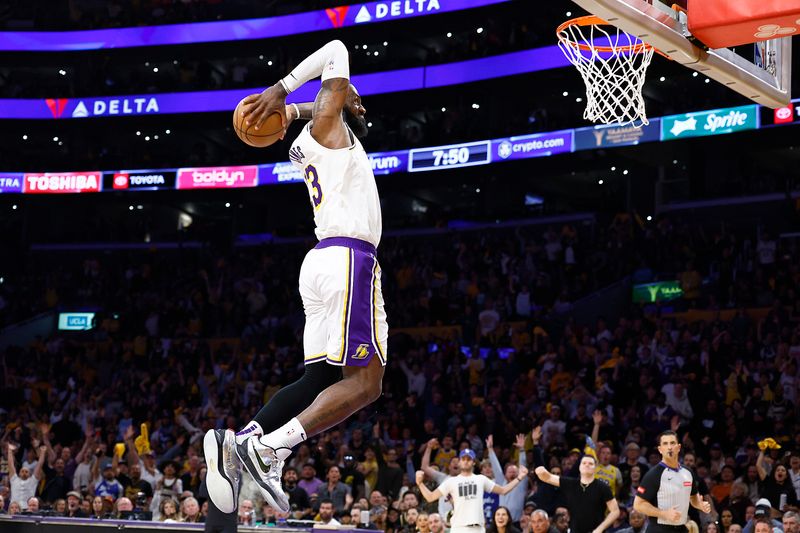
[667, 29]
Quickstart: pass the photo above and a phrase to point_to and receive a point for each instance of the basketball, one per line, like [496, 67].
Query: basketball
[270, 131]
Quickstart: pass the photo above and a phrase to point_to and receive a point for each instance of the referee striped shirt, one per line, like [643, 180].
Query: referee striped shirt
[666, 488]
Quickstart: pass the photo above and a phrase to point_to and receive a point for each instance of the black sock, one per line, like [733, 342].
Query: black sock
[292, 399]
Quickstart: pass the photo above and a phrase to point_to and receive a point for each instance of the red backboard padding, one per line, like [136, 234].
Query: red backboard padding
[726, 23]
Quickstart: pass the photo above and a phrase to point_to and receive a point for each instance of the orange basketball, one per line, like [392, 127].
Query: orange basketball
[269, 132]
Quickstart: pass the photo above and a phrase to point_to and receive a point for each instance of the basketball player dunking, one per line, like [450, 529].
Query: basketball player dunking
[344, 340]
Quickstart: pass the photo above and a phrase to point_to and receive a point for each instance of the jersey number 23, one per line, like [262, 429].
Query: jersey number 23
[312, 178]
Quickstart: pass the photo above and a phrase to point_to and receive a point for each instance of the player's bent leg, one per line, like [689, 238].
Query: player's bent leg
[224, 469]
[291, 399]
[261, 461]
[360, 387]
[264, 457]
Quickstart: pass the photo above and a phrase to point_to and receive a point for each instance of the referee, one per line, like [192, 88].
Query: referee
[466, 491]
[667, 490]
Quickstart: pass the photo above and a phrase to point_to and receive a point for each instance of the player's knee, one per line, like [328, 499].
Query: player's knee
[374, 390]
[368, 388]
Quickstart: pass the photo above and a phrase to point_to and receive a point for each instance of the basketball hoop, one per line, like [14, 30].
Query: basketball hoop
[613, 65]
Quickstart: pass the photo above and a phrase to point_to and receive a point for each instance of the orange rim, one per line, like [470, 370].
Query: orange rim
[592, 20]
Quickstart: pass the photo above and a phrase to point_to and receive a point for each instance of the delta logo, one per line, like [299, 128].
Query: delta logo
[398, 8]
[337, 15]
[56, 106]
[217, 177]
[62, 182]
[140, 105]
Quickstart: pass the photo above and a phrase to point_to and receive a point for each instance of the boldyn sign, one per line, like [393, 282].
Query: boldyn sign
[217, 177]
[714, 122]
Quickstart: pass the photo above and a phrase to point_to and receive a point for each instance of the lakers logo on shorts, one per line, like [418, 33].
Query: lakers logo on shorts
[361, 352]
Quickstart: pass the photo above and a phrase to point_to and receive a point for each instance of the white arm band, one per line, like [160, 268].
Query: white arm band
[331, 61]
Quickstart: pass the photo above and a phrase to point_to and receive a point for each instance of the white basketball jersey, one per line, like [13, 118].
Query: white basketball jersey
[341, 187]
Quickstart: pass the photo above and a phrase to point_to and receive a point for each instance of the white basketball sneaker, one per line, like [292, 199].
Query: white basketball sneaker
[224, 469]
[265, 467]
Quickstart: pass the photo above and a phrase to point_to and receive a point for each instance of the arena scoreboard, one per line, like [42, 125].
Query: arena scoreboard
[450, 156]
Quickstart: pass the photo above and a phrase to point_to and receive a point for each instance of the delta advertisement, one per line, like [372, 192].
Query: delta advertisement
[537, 145]
[714, 122]
[613, 136]
[63, 182]
[217, 177]
[232, 30]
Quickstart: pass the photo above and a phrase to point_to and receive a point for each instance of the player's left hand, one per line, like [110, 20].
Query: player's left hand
[291, 116]
[523, 471]
[705, 507]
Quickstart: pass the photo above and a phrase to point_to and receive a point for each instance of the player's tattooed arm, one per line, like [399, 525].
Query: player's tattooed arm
[328, 127]
[331, 98]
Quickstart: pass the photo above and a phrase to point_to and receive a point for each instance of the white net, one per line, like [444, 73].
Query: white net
[613, 65]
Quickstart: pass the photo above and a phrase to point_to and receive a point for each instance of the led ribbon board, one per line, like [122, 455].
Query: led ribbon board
[714, 122]
[411, 79]
[233, 30]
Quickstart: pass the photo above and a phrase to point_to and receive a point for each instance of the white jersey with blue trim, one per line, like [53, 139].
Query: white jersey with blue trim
[341, 187]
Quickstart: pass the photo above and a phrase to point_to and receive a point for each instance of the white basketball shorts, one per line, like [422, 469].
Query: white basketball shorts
[340, 283]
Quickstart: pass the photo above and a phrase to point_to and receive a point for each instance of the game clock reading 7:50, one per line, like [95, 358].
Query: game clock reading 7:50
[451, 156]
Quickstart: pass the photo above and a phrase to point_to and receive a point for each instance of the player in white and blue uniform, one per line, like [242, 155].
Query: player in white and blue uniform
[340, 284]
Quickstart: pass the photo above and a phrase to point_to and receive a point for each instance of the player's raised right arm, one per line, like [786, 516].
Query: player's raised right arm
[331, 61]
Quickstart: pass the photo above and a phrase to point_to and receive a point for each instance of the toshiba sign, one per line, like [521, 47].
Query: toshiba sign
[63, 182]
[217, 177]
